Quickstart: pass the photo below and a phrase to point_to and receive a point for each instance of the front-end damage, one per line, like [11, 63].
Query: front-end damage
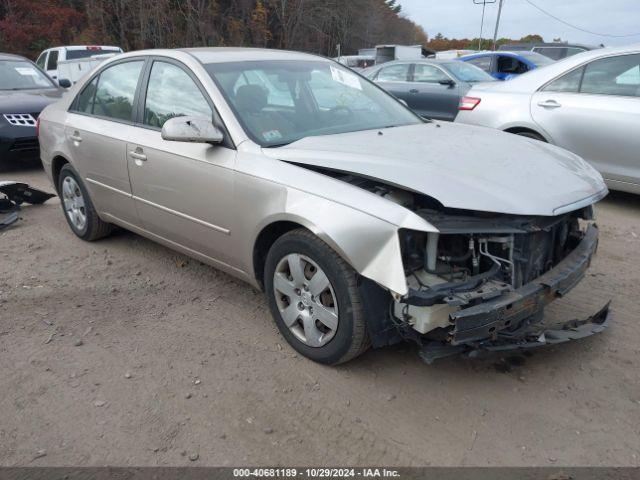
[474, 281]
[482, 282]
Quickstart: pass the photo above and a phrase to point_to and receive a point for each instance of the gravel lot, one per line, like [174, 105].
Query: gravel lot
[122, 352]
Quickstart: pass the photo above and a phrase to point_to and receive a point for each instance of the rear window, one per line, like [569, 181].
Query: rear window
[75, 54]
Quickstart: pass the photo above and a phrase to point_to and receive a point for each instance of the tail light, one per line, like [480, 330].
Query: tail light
[38, 127]
[468, 103]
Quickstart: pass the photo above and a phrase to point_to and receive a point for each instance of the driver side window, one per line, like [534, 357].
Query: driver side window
[42, 60]
[511, 65]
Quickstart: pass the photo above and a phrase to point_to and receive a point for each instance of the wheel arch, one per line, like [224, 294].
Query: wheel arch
[56, 166]
[519, 129]
[265, 239]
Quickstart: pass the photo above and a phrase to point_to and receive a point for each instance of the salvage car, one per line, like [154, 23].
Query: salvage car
[24, 91]
[588, 103]
[431, 88]
[363, 223]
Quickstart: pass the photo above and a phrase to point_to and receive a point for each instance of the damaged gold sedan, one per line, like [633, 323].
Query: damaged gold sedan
[364, 224]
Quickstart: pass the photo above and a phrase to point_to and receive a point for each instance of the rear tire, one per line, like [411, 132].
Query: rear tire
[299, 310]
[78, 208]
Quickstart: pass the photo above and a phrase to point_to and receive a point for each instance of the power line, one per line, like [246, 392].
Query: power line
[579, 28]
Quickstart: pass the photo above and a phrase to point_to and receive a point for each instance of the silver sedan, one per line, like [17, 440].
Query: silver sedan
[588, 103]
[363, 223]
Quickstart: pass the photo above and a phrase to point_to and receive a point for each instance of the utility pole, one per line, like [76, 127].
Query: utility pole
[484, 4]
[495, 33]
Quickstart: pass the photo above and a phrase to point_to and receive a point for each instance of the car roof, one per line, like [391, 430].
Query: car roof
[239, 54]
[11, 56]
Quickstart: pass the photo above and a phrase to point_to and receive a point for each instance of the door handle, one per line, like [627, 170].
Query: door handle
[76, 137]
[138, 156]
[413, 90]
[549, 104]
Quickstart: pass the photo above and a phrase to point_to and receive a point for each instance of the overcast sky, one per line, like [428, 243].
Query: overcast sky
[461, 19]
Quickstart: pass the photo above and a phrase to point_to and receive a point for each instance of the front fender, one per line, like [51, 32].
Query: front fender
[369, 244]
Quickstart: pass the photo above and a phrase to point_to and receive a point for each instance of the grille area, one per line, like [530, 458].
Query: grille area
[21, 119]
[29, 144]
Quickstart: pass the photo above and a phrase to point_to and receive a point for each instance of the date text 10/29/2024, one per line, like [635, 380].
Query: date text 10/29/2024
[315, 472]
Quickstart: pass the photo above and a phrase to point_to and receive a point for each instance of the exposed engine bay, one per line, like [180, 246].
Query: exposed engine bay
[482, 280]
[477, 257]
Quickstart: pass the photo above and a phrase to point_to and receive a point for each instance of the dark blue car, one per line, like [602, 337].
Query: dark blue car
[505, 65]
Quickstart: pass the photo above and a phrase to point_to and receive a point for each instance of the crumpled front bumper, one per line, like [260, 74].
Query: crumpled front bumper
[515, 319]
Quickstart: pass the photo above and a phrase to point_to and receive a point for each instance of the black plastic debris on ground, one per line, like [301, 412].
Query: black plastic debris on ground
[14, 194]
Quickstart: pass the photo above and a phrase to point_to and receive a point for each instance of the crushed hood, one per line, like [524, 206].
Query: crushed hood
[461, 166]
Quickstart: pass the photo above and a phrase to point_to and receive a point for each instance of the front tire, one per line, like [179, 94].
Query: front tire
[314, 299]
[78, 208]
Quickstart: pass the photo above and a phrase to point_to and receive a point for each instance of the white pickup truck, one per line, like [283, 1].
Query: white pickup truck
[53, 59]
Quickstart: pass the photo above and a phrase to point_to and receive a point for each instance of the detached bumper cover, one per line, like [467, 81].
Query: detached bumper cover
[531, 337]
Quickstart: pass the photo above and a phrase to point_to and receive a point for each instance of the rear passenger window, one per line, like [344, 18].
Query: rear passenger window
[569, 82]
[116, 90]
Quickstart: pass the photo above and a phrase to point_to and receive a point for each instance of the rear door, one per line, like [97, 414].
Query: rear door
[431, 96]
[395, 80]
[99, 125]
[184, 192]
[594, 111]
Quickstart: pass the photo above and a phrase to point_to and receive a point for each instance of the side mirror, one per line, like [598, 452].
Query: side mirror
[191, 129]
[450, 83]
[64, 83]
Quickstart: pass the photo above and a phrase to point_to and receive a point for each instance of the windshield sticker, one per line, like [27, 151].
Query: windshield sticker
[349, 79]
[26, 71]
[272, 135]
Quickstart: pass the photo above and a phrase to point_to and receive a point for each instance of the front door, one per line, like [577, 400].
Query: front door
[183, 191]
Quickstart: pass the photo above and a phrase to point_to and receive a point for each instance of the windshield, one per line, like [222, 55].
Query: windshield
[467, 72]
[279, 102]
[21, 75]
[538, 59]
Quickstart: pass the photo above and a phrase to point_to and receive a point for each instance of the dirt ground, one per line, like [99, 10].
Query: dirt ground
[180, 364]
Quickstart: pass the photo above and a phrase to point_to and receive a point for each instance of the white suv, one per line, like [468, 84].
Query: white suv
[48, 60]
